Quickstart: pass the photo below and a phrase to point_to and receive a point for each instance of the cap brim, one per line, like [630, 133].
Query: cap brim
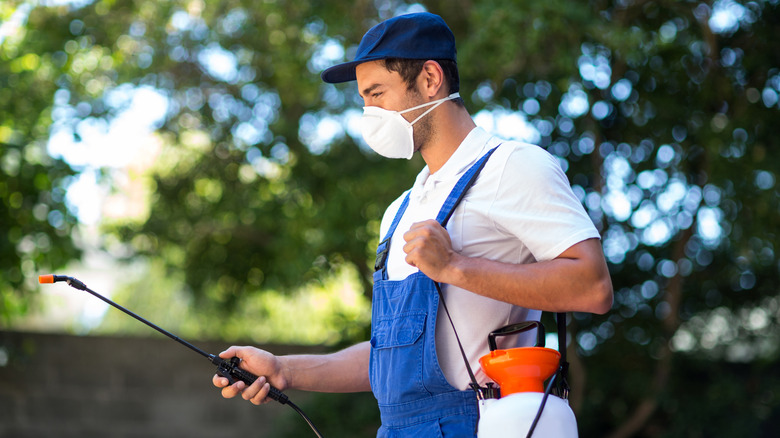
[341, 72]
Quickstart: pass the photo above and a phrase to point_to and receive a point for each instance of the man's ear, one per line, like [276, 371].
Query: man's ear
[431, 80]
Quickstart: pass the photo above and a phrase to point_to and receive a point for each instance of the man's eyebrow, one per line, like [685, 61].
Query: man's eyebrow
[366, 91]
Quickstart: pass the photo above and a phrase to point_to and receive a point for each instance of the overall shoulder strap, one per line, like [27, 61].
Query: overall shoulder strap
[380, 264]
[461, 187]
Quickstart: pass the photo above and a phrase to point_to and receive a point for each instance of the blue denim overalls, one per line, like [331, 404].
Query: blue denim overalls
[414, 397]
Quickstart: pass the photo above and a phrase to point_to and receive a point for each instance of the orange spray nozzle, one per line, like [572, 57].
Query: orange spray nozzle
[51, 278]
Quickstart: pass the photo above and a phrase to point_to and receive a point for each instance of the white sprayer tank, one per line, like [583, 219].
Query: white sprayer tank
[520, 373]
[512, 416]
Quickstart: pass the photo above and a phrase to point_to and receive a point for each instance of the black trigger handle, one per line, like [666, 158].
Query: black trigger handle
[229, 369]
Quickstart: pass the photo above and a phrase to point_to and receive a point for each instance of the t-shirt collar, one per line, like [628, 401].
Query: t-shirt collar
[464, 156]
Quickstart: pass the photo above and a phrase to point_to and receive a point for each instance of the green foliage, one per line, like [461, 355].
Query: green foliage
[36, 228]
[327, 315]
[36, 232]
[662, 121]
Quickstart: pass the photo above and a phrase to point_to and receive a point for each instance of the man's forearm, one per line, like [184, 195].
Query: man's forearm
[343, 371]
[578, 280]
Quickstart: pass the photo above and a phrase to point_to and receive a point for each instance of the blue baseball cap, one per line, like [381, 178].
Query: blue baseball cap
[411, 36]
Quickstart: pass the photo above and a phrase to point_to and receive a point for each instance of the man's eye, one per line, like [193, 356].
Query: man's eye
[375, 95]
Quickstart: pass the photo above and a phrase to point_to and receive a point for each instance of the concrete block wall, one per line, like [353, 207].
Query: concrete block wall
[54, 385]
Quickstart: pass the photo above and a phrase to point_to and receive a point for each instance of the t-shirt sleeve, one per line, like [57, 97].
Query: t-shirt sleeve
[535, 203]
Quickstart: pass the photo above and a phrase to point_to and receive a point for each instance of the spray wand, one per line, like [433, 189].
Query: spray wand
[226, 368]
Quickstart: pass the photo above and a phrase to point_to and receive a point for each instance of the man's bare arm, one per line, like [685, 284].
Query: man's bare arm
[343, 371]
[576, 280]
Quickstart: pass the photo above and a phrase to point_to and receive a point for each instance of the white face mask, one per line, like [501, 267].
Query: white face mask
[389, 134]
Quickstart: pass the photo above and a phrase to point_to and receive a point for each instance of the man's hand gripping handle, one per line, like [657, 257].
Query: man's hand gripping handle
[229, 369]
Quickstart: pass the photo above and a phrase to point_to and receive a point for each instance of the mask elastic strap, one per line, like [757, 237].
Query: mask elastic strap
[435, 103]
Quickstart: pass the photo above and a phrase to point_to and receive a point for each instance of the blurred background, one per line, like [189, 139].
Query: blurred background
[184, 158]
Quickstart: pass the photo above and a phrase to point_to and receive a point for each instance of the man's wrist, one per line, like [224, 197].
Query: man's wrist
[455, 271]
[285, 372]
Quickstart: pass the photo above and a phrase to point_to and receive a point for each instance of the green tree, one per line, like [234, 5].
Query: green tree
[37, 231]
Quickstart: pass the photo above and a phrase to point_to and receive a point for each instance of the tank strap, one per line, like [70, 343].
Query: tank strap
[558, 379]
[461, 187]
[562, 381]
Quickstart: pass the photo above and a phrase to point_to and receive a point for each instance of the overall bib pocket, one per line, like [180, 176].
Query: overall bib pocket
[396, 350]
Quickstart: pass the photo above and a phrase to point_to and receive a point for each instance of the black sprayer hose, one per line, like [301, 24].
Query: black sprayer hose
[228, 369]
[541, 405]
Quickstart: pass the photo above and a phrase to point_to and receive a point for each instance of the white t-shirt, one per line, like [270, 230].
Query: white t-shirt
[521, 209]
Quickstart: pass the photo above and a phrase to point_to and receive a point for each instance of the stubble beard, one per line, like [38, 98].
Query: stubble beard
[422, 130]
[422, 133]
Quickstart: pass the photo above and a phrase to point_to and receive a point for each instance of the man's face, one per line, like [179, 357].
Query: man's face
[386, 89]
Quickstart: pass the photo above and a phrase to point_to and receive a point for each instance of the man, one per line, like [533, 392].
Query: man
[517, 244]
